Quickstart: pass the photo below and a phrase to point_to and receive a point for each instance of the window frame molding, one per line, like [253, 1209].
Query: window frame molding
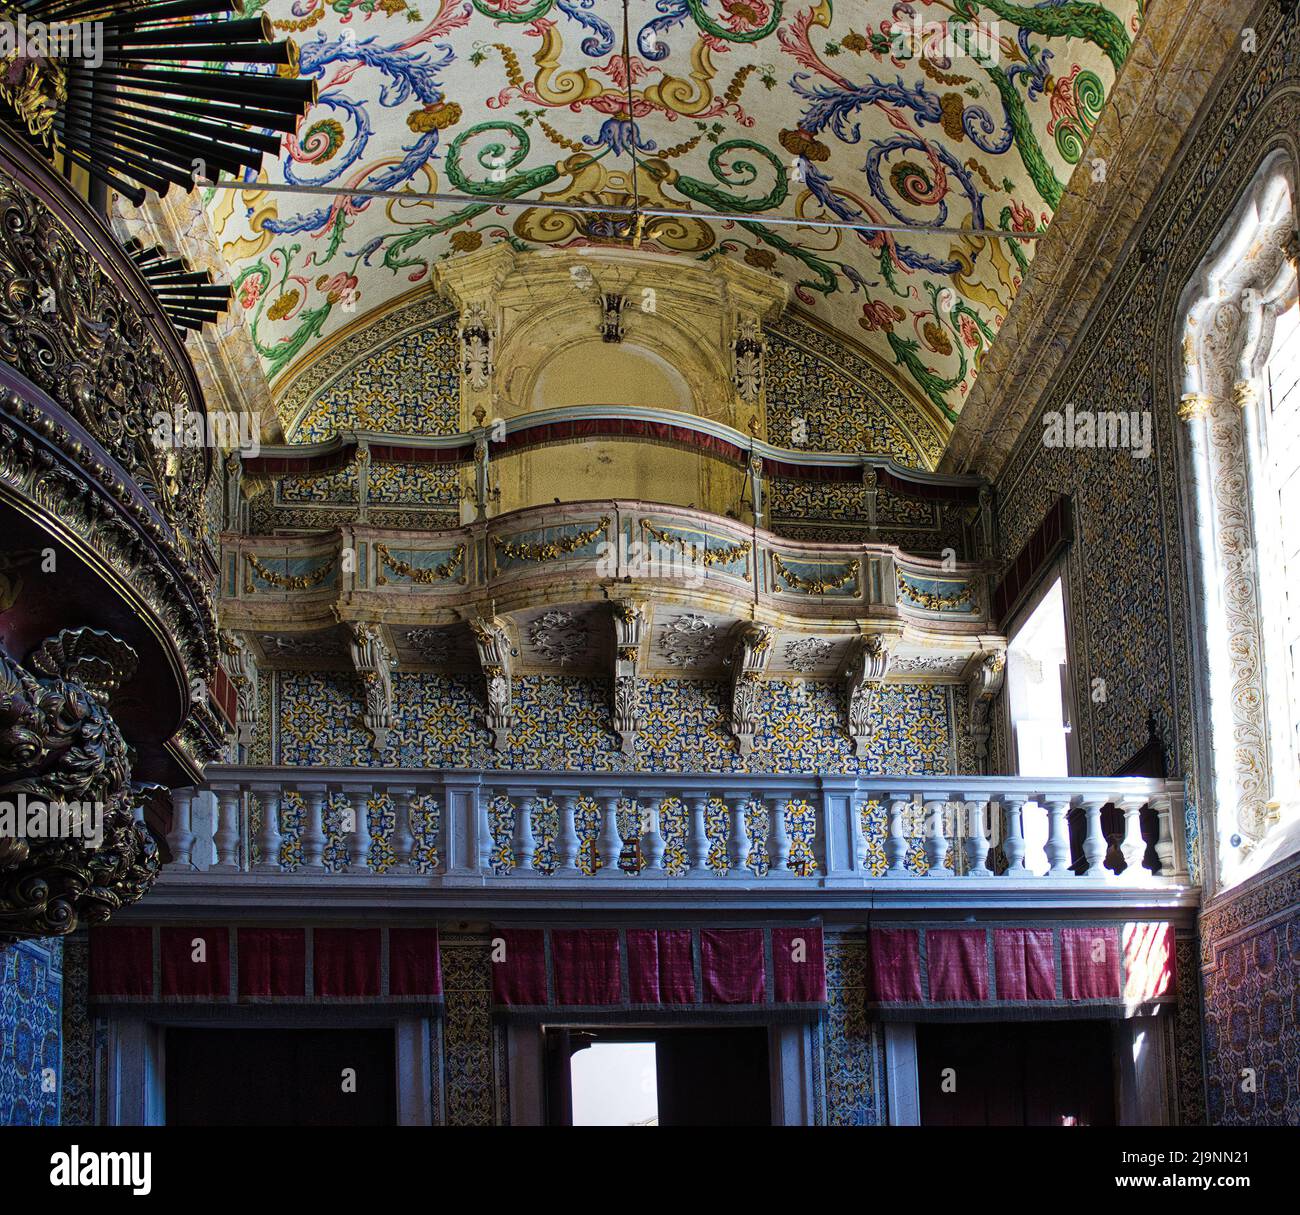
[1227, 315]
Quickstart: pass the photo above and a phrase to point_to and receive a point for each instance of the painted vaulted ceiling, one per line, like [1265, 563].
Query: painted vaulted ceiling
[768, 109]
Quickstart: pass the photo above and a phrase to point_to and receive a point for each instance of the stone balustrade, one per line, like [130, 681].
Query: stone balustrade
[598, 832]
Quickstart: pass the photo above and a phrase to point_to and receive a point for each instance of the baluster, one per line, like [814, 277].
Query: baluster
[977, 847]
[896, 840]
[229, 798]
[1014, 846]
[738, 843]
[269, 838]
[524, 845]
[778, 851]
[566, 841]
[1058, 835]
[403, 838]
[313, 828]
[936, 842]
[180, 839]
[698, 843]
[359, 836]
[1170, 863]
[652, 846]
[480, 811]
[1134, 847]
[1094, 840]
[611, 842]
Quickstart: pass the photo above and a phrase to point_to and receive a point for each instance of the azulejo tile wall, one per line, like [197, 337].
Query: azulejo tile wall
[824, 396]
[410, 385]
[1250, 955]
[564, 723]
[31, 1009]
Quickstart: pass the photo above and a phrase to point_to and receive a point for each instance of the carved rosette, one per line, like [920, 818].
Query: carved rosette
[61, 748]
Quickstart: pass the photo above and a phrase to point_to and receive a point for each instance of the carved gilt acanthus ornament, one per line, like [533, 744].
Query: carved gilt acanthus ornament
[60, 747]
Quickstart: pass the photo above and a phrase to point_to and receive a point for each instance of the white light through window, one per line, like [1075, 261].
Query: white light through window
[1036, 689]
[615, 1084]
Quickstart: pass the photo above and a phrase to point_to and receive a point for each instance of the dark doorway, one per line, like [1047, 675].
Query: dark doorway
[699, 1077]
[1018, 1073]
[280, 1077]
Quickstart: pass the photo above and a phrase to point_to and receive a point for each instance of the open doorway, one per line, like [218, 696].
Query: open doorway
[656, 1076]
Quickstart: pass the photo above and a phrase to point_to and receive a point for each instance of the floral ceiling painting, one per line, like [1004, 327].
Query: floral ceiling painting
[779, 123]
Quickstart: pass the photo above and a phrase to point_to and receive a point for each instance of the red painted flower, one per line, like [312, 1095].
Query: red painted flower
[877, 315]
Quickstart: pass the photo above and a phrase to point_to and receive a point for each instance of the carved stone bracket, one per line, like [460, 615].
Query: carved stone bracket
[747, 349]
[492, 642]
[866, 670]
[750, 654]
[984, 681]
[373, 662]
[629, 627]
[241, 669]
[477, 345]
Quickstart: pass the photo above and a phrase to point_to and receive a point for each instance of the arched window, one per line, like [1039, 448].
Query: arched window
[1241, 404]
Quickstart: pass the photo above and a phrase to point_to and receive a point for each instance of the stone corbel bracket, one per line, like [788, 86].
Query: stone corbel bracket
[629, 628]
[866, 670]
[747, 350]
[477, 345]
[492, 641]
[373, 660]
[984, 678]
[241, 669]
[751, 652]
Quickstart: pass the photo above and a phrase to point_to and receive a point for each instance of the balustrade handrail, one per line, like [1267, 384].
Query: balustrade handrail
[767, 827]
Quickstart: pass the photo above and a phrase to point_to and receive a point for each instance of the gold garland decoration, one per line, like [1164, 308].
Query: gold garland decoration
[287, 582]
[933, 602]
[707, 556]
[816, 586]
[426, 575]
[552, 548]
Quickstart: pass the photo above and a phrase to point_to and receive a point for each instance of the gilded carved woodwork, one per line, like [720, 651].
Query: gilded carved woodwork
[73, 332]
[60, 746]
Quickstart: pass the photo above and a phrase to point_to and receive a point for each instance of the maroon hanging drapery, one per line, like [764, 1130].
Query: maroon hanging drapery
[251, 965]
[1048, 971]
[768, 972]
